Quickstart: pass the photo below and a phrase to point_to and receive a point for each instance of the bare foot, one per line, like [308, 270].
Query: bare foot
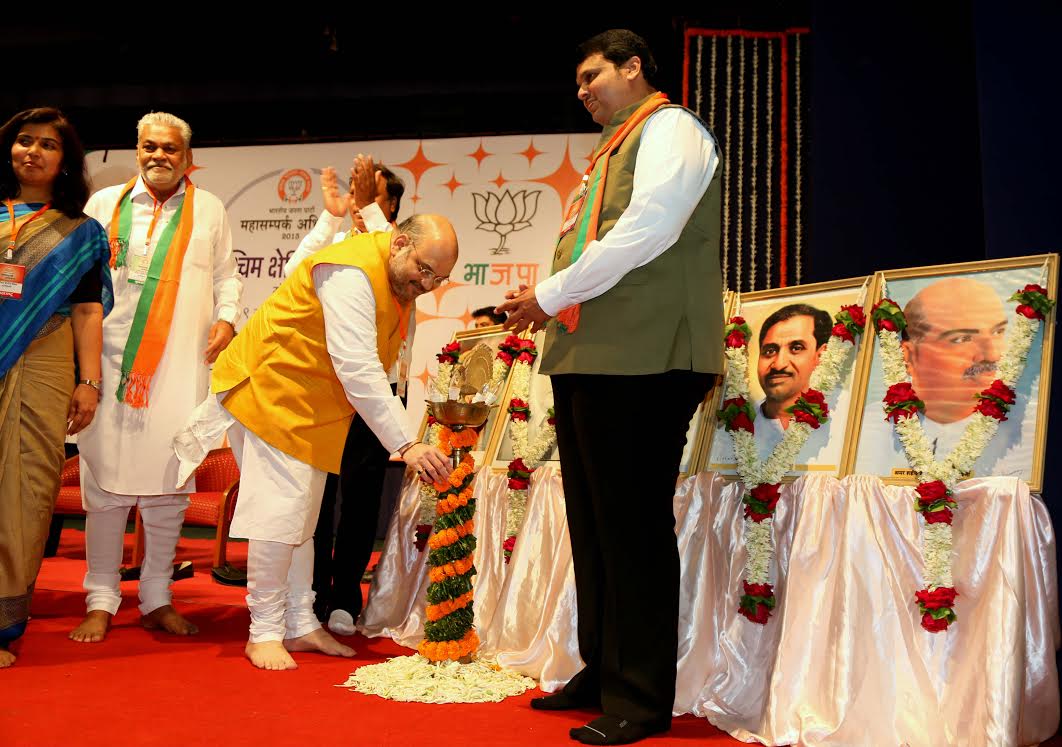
[269, 655]
[6, 658]
[319, 640]
[93, 628]
[168, 619]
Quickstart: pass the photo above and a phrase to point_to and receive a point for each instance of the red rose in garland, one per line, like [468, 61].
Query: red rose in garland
[935, 502]
[806, 417]
[855, 312]
[943, 516]
[518, 409]
[757, 602]
[519, 475]
[810, 408]
[737, 332]
[1033, 302]
[936, 599]
[737, 414]
[508, 546]
[888, 315]
[449, 353]
[815, 397]
[850, 321]
[1000, 391]
[934, 625]
[761, 501]
[839, 330]
[898, 393]
[936, 607]
[995, 401]
[991, 409]
[932, 491]
[902, 402]
[741, 422]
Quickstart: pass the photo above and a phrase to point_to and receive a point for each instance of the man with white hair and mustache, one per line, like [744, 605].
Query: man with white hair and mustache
[176, 300]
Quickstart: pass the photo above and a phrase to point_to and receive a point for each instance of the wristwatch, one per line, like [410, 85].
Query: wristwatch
[94, 383]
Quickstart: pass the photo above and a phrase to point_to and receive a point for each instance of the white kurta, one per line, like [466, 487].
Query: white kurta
[282, 501]
[129, 451]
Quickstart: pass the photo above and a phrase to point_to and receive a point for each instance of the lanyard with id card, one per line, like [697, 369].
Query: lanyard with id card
[143, 263]
[573, 210]
[13, 276]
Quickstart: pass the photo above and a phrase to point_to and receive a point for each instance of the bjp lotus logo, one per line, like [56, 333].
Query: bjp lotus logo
[505, 214]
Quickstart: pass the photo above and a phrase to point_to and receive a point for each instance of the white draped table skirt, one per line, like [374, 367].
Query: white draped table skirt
[842, 661]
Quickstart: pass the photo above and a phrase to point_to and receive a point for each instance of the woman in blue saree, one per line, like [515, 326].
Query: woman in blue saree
[55, 288]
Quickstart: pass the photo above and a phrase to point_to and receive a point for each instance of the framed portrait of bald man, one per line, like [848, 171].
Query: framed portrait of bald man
[958, 319]
[790, 328]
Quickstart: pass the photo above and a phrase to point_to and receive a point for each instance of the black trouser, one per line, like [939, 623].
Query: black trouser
[337, 573]
[620, 441]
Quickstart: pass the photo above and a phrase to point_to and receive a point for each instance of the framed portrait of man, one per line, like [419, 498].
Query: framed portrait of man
[959, 320]
[469, 339]
[500, 451]
[790, 329]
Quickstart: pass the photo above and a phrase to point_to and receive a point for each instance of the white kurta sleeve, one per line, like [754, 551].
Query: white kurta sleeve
[350, 333]
[374, 218]
[228, 285]
[323, 234]
[676, 161]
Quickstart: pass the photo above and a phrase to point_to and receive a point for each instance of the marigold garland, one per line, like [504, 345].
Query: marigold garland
[937, 478]
[448, 633]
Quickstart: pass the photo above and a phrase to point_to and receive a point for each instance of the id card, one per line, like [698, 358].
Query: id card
[11, 279]
[572, 216]
[138, 267]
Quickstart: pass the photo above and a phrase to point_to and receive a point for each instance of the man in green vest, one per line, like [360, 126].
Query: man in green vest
[634, 320]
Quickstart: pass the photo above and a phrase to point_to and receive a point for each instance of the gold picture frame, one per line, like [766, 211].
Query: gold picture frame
[469, 338]
[1018, 449]
[827, 451]
[541, 399]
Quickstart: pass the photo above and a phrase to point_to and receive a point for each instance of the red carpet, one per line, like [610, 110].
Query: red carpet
[141, 688]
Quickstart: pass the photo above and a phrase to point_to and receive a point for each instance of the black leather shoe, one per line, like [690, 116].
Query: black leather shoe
[562, 701]
[615, 730]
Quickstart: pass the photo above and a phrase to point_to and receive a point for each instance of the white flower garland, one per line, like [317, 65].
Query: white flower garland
[417, 680]
[981, 428]
[758, 539]
[531, 453]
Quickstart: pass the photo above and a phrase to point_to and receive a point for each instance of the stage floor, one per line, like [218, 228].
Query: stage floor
[141, 688]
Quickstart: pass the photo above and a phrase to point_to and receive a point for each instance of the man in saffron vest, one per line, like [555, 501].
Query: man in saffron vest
[634, 345]
[176, 298]
[314, 354]
[342, 549]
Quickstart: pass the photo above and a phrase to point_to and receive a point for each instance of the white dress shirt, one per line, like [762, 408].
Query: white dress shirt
[676, 161]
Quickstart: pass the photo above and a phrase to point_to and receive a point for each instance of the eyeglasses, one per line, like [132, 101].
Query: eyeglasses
[426, 273]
